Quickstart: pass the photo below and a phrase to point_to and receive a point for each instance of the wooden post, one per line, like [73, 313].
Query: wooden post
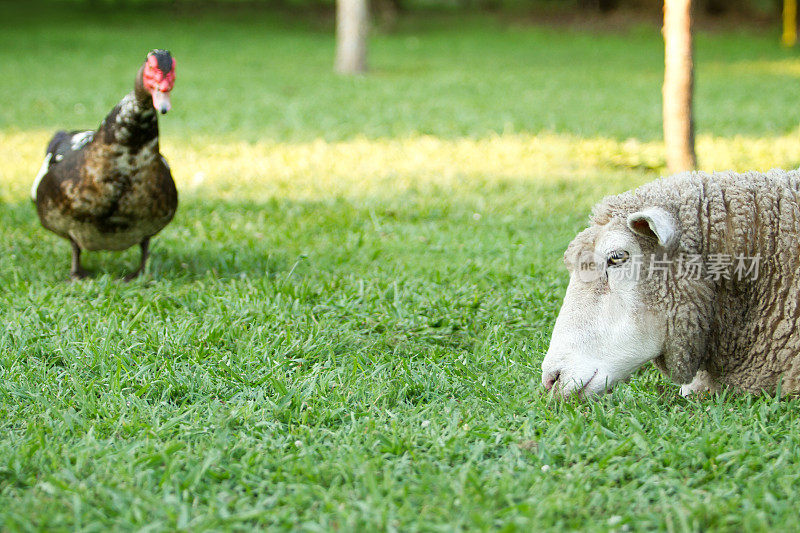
[789, 22]
[678, 86]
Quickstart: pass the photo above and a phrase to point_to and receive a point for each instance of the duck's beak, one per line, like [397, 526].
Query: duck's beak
[161, 101]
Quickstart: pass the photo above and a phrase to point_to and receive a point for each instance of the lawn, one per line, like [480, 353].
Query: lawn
[342, 328]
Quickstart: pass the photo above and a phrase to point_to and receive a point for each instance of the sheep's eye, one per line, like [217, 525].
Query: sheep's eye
[617, 257]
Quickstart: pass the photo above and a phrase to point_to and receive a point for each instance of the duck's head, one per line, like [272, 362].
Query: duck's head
[158, 78]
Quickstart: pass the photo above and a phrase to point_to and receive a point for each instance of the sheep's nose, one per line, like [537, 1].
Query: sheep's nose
[550, 379]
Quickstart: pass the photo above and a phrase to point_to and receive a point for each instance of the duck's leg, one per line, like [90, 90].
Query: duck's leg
[145, 246]
[76, 271]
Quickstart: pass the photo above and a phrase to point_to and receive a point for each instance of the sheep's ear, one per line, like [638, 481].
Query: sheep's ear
[655, 223]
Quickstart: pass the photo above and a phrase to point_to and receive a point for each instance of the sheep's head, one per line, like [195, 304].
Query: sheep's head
[610, 323]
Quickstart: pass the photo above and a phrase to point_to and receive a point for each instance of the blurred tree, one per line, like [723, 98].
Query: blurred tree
[386, 12]
[352, 24]
[601, 5]
[678, 86]
[789, 22]
[716, 7]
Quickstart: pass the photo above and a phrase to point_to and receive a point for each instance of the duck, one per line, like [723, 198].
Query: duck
[110, 188]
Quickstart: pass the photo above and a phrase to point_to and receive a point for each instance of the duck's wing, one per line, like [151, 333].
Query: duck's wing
[61, 146]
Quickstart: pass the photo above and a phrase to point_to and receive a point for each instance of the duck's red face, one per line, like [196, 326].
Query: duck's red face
[159, 78]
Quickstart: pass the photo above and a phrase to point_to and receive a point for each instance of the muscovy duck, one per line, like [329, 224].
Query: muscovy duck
[110, 189]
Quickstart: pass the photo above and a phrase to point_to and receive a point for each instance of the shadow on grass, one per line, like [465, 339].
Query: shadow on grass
[183, 250]
[218, 260]
[279, 237]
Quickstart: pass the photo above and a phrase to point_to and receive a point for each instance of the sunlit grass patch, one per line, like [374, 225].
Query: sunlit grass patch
[363, 167]
[760, 67]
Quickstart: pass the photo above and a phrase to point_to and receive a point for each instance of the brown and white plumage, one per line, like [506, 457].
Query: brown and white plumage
[111, 189]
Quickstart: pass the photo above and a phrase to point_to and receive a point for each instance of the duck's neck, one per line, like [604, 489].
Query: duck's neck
[133, 122]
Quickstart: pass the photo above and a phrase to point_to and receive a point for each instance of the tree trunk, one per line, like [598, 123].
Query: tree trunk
[386, 12]
[351, 36]
[678, 86]
[604, 6]
[789, 22]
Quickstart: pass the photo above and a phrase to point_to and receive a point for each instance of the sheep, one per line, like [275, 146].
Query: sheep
[699, 273]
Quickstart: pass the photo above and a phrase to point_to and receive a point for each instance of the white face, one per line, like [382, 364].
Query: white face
[604, 331]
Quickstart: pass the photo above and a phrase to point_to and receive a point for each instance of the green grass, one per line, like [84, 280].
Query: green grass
[255, 76]
[342, 329]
